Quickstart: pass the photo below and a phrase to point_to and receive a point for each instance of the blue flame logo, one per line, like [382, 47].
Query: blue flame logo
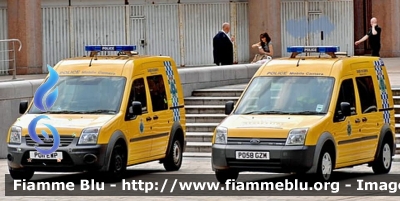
[48, 101]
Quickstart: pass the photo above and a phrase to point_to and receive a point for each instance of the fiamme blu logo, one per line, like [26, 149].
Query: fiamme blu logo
[44, 100]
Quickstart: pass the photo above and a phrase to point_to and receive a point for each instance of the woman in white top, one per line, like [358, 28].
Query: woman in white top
[264, 47]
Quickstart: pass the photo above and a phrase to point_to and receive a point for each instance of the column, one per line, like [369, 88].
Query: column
[265, 16]
[25, 24]
[388, 13]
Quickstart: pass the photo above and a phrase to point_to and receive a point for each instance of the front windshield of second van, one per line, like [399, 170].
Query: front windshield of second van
[86, 95]
[303, 95]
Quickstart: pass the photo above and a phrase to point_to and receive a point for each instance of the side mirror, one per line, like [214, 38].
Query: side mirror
[345, 109]
[23, 106]
[229, 107]
[135, 108]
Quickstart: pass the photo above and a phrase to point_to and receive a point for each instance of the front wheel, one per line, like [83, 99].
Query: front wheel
[118, 162]
[383, 163]
[173, 161]
[325, 165]
[21, 174]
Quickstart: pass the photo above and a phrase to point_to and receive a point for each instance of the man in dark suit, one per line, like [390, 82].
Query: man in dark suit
[223, 46]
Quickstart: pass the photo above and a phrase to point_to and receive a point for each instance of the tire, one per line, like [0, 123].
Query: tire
[223, 175]
[383, 163]
[325, 165]
[173, 160]
[117, 167]
[21, 174]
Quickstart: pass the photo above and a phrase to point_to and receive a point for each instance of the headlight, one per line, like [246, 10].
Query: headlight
[15, 135]
[221, 134]
[297, 136]
[89, 136]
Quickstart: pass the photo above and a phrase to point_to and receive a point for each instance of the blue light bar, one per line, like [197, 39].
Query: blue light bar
[316, 49]
[110, 47]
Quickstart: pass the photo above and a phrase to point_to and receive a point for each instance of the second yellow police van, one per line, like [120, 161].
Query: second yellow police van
[309, 114]
[107, 113]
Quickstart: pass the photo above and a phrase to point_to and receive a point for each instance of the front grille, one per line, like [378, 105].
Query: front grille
[263, 141]
[64, 141]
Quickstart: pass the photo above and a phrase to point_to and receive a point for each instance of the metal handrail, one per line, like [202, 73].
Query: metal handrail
[13, 50]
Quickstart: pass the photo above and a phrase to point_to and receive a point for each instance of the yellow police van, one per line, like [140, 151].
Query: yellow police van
[107, 113]
[309, 114]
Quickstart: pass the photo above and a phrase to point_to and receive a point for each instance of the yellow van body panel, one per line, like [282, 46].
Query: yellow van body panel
[354, 140]
[147, 137]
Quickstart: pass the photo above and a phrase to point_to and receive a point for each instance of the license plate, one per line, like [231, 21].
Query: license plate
[37, 155]
[252, 155]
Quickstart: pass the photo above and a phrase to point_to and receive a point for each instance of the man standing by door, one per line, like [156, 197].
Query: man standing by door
[223, 46]
[374, 36]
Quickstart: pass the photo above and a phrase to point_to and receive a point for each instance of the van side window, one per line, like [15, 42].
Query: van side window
[138, 93]
[157, 92]
[346, 94]
[367, 94]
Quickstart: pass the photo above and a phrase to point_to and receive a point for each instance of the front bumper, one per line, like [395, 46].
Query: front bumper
[75, 158]
[283, 159]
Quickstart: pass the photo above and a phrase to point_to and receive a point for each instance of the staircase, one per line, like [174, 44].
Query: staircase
[206, 108]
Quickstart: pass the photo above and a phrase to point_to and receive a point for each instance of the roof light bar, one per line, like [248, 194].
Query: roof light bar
[110, 48]
[315, 49]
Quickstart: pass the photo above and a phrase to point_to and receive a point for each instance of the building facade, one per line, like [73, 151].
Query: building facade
[51, 30]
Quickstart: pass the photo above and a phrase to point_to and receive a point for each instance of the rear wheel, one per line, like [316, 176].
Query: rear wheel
[21, 174]
[173, 161]
[383, 163]
[223, 175]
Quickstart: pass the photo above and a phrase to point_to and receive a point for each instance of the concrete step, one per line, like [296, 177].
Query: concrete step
[398, 140]
[397, 109]
[397, 118]
[197, 154]
[205, 109]
[199, 136]
[396, 100]
[207, 100]
[396, 158]
[202, 147]
[397, 148]
[201, 127]
[218, 92]
[397, 129]
[396, 91]
[204, 118]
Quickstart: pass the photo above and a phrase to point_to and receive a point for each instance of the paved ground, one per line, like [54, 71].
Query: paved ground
[201, 166]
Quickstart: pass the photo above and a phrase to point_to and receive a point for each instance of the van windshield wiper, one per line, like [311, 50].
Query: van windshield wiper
[309, 113]
[267, 112]
[100, 111]
[66, 112]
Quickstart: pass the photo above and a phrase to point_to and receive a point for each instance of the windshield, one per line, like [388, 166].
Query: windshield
[287, 95]
[86, 95]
